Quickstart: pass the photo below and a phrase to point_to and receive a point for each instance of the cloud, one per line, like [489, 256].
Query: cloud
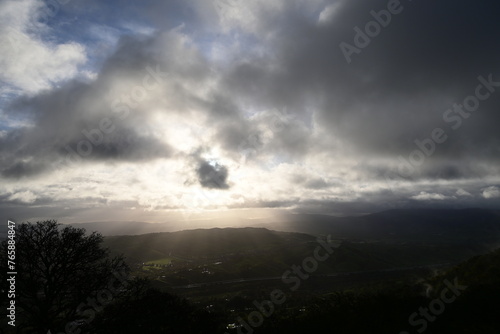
[111, 118]
[264, 86]
[212, 175]
[424, 196]
[23, 197]
[318, 183]
[461, 192]
[29, 62]
[371, 104]
[491, 192]
[328, 13]
[21, 169]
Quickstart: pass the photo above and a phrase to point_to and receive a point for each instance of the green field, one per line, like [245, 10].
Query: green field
[160, 263]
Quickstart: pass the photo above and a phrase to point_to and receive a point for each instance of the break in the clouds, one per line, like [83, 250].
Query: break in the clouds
[321, 106]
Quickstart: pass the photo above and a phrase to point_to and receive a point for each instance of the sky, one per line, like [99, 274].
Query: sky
[168, 110]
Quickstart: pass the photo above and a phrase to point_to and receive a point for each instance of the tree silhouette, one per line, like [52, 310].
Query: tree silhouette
[60, 273]
[154, 312]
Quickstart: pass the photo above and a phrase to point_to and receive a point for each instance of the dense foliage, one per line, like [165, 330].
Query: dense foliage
[58, 270]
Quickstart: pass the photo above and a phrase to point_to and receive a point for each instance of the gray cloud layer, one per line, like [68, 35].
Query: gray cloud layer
[397, 89]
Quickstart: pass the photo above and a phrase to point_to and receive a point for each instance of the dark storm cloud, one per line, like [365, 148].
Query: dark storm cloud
[310, 182]
[67, 130]
[80, 122]
[437, 169]
[397, 89]
[125, 146]
[318, 183]
[233, 130]
[212, 175]
[20, 169]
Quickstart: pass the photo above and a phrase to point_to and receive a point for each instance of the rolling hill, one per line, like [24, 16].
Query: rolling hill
[439, 225]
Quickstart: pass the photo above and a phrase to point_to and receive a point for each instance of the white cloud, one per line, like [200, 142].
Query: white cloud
[461, 192]
[425, 196]
[328, 13]
[29, 63]
[106, 34]
[24, 197]
[491, 192]
[137, 28]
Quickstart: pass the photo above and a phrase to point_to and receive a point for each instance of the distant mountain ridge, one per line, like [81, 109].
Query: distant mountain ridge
[411, 224]
[109, 228]
[462, 225]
